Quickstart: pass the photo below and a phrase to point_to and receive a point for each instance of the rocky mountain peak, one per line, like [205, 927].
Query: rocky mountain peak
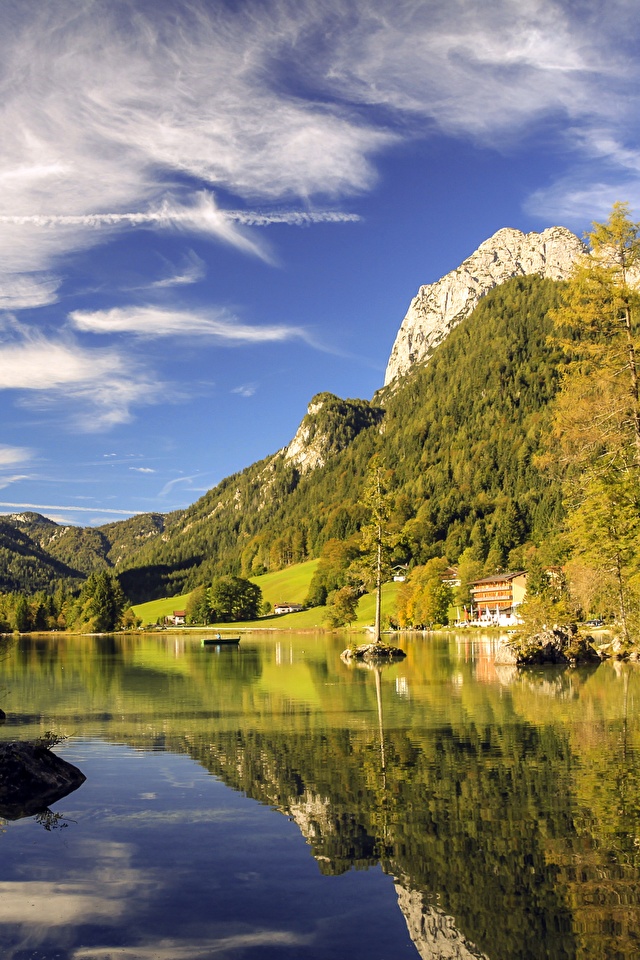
[438, 307]
[328, 427]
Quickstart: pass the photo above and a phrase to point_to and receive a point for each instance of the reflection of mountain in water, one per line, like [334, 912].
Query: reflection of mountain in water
[508, 808]
[434, 934]
[465, 817]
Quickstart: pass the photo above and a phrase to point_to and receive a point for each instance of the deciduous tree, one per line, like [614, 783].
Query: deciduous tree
[342, 607]
[425, 598]
[233, 598]
[597, 420]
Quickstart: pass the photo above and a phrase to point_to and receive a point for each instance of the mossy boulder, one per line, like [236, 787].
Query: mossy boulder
[559, 645]
[373, 652]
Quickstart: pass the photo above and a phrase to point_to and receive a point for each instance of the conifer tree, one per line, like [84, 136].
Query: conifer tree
[597, 421]
[376, 542]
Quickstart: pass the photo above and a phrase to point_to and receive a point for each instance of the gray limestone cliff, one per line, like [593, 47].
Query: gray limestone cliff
[330, 425]
[440, 306]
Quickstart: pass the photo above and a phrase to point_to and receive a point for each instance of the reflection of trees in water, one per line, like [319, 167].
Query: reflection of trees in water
[523, 825]
[478, 820]
[558, 683]
[461, 819]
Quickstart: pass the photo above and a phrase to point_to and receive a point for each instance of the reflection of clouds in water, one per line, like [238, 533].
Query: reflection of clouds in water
[175, 817]
[102, 888]
[45, 903]
[99, 889]
[194, 949]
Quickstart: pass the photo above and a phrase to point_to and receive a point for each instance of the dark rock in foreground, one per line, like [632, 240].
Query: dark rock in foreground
[32, 778]
[559, 645]
[373, 651]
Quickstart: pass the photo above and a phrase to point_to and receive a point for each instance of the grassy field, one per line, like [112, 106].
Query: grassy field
[150, 612]
[314, 618]
[290, 585]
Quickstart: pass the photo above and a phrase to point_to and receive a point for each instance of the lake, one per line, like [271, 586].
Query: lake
[271, 801]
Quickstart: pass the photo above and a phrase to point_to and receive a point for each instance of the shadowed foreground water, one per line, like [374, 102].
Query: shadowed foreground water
[270, 801]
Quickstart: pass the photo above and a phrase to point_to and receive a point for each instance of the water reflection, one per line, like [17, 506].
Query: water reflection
[499, 810]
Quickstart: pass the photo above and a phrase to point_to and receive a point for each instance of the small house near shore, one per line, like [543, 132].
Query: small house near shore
[178, 618]
[280, 608]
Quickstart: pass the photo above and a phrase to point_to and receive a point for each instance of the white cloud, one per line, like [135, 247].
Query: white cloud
[110, 115]
[8, 480]
[192, 270]
[45, 507]
[142, 469]
[11, 456]
[103, 111]
[245, 389]
[491, 72]
[168, 487]
[100, 385]
[579, 199]
[151, 322]
[27, 291]
[479, 69]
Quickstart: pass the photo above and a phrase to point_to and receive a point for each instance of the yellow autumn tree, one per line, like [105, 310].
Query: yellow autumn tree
[596, 433]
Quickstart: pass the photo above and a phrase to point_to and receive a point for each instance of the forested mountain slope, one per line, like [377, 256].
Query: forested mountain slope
[459, 433]
[24, 565]
[35, 552]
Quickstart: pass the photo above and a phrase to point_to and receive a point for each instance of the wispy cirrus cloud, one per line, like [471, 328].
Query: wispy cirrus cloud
[191, 271]
[7, 480]
[494, 72]
[107, 110]
[46, 507]
[10, 456]
[151, 321]
[245, 389]
[171, 484]
[115, 117]
[101, 386]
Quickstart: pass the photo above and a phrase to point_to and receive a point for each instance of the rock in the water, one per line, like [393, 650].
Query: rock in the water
[373, 651]
[558, 645]
[619, 649]
[32, 778]
[438, 307]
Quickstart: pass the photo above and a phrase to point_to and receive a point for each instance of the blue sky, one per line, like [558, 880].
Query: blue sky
[212, 211]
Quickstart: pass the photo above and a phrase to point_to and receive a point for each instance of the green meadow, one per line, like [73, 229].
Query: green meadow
[290, 585]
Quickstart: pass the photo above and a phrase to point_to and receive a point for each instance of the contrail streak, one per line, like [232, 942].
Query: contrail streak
[245, 217]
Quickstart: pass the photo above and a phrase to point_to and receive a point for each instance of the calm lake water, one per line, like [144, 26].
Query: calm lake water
[270, 801]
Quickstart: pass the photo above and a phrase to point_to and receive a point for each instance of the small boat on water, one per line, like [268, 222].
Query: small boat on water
[218, 641]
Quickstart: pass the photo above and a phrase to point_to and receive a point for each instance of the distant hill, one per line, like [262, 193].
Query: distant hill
[36, 553]
[460, 431]
[25, 566]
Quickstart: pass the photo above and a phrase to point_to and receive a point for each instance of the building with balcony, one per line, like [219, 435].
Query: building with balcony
[496, 599]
